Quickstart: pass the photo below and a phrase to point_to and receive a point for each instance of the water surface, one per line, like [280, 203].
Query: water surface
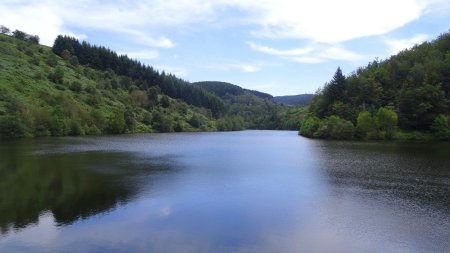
[250, 191]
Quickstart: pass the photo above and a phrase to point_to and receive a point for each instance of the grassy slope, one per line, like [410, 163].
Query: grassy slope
[47, 108]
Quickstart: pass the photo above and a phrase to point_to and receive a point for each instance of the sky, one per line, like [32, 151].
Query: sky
[282, 47]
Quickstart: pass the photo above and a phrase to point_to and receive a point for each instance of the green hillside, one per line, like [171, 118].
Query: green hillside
[404, 97]
[75, 88]
[257, 109]
[296, 100]
[221, 89]
[42, 94]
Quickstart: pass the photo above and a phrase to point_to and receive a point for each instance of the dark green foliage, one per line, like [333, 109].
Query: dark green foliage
[131, 71]
[222, 89]
[4, 30]
[164, 101]
[195, 121]
[441, 127]
[332, 127]
[129, 120]
[162, 122]
[12, 126]
[20, 35]
[31, 105]
[367, 126]
[419, 106]
[120, 95]
[256, 109]
[415, 85]
[309, 126]
[387, 120]
[116, 122]
[57, 76]
[73, 61]
[228, 123]
[75, 128]
[52, 60]
[297, 100]
[76, 86]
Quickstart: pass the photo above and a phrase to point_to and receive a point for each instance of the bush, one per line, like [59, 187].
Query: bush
[76, 86]
[57, 76]
[382, 125]
[367, 126]
[441, 127]
[52, 60]
[387, 120]
[195, 121]
[334, 127]
[165, 102]
[116, 123]
[161, 122]
[309, 126]
[12, 126]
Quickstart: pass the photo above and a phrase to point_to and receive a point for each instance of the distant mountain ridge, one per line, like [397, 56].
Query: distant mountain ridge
[220, 89]
[296, 100]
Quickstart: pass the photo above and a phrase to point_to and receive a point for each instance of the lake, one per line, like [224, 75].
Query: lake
[249, 191]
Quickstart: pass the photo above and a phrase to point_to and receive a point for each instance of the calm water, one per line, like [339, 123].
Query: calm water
[250, 191]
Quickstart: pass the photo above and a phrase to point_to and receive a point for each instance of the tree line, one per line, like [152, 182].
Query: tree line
[18, 34]
[412, 89]
[141, 75]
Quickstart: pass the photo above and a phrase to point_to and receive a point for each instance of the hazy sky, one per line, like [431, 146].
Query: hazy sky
[277, 46]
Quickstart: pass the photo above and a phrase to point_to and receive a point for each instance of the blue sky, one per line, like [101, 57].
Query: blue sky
[282, 47]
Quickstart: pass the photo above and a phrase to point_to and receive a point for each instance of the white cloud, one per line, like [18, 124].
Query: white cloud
[337, 53]
[313, 54]
[397, 45]
[334, 21]
[278, 52]
[37, 20]
[326, 21]
[306, 59]
[241, 67]
[247, 68]
[148, 40]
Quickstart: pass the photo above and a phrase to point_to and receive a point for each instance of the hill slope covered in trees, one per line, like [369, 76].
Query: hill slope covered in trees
[257, 109]
[295, 100]
[43, 94]
[404, 97]
[76, 88]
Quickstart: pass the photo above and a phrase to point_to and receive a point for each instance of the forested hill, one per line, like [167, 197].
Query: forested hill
[75, 88]
[405, 97]
[137, 74]
[221, 89]
[298, 100]
[43, 94]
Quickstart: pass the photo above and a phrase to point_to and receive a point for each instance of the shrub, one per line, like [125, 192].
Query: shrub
[76, 86]
[57, 76]
[441, 127]
[12, 126]
[387, 120]
[367, 126]
[309, 126]
[116, 122]
[335, 127]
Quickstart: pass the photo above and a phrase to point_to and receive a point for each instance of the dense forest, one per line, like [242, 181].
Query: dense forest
[257, 109]
[76, 88]
[294, 100]
[404, 97]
